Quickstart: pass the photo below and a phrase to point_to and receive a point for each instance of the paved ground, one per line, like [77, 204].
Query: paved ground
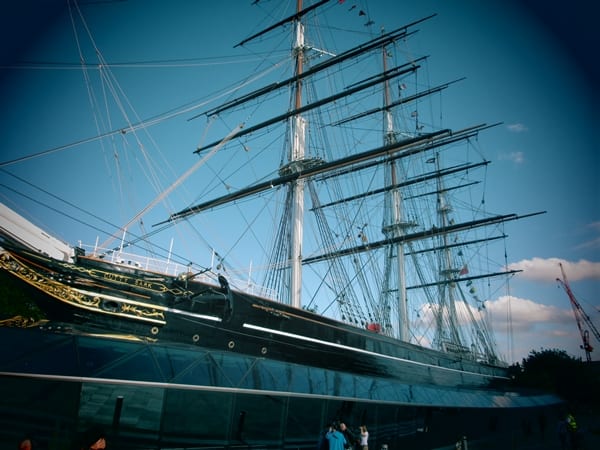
[590, 439]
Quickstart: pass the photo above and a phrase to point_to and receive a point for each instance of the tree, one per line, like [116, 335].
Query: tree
[556, 372]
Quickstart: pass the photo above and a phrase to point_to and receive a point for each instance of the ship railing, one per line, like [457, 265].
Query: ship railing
[173, 268]
[249, 287]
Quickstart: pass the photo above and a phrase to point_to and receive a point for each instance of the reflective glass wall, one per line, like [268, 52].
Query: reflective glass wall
[150, 396]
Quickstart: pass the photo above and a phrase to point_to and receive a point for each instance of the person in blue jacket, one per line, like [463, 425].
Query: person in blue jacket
[336, 439]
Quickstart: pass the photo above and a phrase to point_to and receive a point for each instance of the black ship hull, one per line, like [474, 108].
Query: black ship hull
[168, 362]
[99, 297]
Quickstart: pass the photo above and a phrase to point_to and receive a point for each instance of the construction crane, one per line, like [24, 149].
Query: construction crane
[580, 317]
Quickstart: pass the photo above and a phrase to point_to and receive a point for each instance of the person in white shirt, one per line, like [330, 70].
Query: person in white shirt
[364, 438]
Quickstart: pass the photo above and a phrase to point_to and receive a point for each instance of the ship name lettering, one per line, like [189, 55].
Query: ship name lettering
[116, 277]
[142, 283]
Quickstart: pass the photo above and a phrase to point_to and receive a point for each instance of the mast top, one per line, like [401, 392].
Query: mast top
[291, 18]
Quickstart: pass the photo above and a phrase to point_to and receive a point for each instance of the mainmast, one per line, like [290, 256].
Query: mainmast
[298, 126]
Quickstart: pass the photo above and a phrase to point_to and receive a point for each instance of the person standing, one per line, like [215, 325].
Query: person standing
[350, 438]
[93, 438]
[25, 444]
[335, 438]
[572, 431]
[364, 438]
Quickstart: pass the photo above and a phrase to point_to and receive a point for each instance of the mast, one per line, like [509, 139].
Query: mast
[446, 320]
[298, 127]
[396, 228]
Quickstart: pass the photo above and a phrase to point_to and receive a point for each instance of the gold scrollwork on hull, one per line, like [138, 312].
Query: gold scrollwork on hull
[21, 322]
[123, 279]
[141, 312]
[45, 283]
[75, 297]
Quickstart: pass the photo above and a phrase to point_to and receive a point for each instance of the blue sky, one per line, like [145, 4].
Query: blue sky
[523, 66]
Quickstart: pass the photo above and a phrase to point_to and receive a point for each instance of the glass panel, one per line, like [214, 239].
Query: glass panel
[318, 381]
[258, 419]
[193, 417]
[305, 421]
[141, 407]
[236, 370]
[38, 353]
[45, 409]
[202, 371]
[173, 362]
[300, 379]
[138, 366]
[94, 354]
[272, 375]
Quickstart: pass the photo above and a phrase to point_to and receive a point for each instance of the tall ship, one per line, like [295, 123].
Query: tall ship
[346, 257]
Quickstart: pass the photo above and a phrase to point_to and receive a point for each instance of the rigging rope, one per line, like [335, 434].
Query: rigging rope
[177, 182]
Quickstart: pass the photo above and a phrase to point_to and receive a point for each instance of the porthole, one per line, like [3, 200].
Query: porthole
[195, 338]
[263, 350]
[154, 330]
[109, 305]
[231, 344]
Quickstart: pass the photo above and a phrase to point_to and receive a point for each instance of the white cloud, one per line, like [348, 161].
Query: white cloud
[525, 315]
[548, 269]
[516, 157]
[532, 326]
[594, 242]
[516, 127]
[595, 226]
[519, 326]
